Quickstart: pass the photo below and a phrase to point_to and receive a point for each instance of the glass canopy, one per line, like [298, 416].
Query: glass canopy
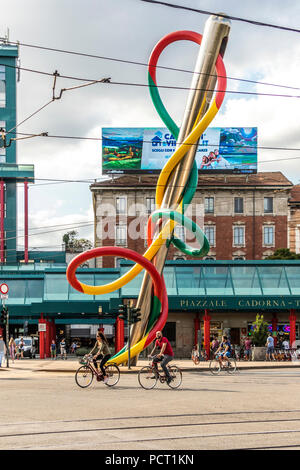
[225, 279]
[183, 278]
[54, 287]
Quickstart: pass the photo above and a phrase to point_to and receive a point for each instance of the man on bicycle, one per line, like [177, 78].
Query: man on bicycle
[224, 350]
[165, 356]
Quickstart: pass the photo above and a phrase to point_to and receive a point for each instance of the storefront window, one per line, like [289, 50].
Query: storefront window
[169, 332]
[283, 330]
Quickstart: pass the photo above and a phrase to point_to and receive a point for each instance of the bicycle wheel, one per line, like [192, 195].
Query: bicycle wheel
[231, 367]
[147, 378]
[113, 373]
[214, 366]
[84, 376]
[176, 376]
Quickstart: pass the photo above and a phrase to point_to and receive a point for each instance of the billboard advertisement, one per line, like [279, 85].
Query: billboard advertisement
[146, 150]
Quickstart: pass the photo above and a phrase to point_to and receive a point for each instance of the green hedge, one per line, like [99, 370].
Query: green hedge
[82, 351]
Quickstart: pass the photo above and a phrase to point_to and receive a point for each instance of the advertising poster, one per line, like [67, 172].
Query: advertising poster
[146, 150]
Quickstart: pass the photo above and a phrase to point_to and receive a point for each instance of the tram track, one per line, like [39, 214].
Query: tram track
[142, 430]
[140, 417]
[240, 423]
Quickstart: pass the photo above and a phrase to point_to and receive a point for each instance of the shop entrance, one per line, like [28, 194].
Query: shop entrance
[235, 336]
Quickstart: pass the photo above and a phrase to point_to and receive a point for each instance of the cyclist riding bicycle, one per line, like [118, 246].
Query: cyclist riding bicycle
[165, 356]
[102, 352]
[224, 350]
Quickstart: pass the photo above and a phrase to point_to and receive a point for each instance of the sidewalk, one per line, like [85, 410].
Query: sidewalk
[71, 365]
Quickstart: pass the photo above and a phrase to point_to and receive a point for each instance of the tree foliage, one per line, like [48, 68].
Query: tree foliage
[74, 244]
[284, 253]
[260, 331]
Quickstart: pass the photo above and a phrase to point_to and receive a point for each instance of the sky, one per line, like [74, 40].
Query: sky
[128, 30]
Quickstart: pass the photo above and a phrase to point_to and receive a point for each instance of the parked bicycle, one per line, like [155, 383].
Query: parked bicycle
[85, 374]
[229, 365]
[196, 357]
[149, 376]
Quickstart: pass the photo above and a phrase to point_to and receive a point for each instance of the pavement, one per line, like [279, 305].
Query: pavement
[42, 408]
[72, 363]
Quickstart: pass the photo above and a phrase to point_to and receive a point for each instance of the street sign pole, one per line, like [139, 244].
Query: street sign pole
[3, 298]
[4, 295]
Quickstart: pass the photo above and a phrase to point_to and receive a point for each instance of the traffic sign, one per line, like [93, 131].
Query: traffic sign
[4, 288]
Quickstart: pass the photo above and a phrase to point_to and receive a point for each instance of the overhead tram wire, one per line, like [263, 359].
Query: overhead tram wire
[108, 80]
[47, 135]
[229, 17]
[48, 231]
[130, 62]
[54, 98]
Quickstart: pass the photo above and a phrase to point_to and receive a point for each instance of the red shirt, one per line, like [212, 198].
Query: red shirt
[168, 350]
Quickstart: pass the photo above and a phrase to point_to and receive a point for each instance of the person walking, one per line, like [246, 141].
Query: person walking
[63, 349]
[2, 350]
[270, 348]
[215, 345]
[53, 350]
[286, 347]
[74, 347]
[12, 348]
[247, 349]
[21, 348]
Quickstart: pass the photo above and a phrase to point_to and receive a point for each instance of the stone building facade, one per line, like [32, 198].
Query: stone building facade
[243, 216]
[294, 219]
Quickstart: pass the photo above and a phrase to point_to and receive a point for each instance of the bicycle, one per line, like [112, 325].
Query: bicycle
[149, 376]
[229, 365]
[196, 357]
[85, 374]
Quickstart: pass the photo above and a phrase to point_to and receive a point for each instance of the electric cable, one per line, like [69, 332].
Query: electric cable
[131, 62]
[258, 147]
[94, 81]
[229, 17]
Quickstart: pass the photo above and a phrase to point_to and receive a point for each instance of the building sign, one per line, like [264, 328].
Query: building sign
[146, 150]
[236, 303]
